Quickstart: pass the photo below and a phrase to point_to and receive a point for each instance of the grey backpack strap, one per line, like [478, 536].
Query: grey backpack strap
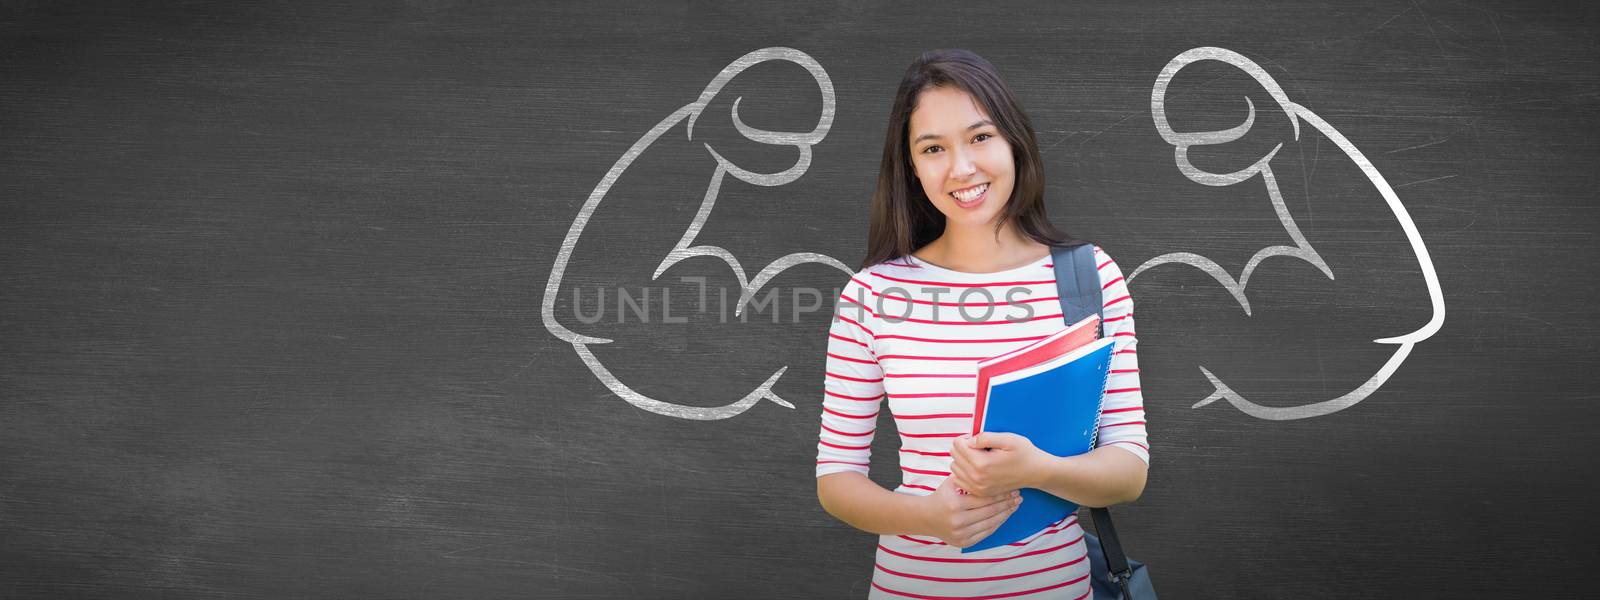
[1117, 568]
[1077, 282]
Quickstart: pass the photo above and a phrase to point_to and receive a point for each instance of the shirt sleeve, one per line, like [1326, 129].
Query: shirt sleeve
[852, 384]
[1122, 421]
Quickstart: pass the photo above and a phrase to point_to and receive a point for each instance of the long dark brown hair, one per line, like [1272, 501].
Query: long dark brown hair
[903, 218]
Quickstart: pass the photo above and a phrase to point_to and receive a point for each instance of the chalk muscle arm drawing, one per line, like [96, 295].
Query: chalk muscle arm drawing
[1181, 141]
[685, 248]
[1302, 249]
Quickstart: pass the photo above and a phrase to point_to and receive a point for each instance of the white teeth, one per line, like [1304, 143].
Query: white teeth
[968, 195]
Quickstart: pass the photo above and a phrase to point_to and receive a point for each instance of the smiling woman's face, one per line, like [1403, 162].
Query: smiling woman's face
[963, 163]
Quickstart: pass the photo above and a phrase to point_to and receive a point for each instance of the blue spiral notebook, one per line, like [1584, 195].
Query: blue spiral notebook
[1056, 405]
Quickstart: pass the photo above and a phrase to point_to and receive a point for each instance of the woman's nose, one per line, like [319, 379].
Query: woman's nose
[964, 167]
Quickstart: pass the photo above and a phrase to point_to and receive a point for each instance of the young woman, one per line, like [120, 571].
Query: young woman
[958, 269]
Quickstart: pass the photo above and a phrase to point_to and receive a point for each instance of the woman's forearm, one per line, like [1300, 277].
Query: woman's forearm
[1102, 477]
[851, 497]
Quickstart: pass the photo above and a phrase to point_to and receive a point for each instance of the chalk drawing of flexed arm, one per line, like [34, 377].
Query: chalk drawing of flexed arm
[1302, 249]
[685, 247]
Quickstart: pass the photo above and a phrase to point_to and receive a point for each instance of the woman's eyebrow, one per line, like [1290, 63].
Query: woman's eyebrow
[934, 136]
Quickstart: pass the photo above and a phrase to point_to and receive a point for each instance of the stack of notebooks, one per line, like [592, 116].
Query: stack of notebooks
[1050, 392]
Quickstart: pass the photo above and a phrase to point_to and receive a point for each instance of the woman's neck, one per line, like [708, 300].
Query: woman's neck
[979, 250]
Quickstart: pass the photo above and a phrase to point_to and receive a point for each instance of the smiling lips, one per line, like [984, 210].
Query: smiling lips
[972, 196]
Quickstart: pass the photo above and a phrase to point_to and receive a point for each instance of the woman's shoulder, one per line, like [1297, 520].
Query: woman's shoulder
[1106, 264]
[1102, 258]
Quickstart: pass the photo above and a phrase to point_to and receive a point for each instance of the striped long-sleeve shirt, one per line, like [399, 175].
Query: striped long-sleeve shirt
[911, 332]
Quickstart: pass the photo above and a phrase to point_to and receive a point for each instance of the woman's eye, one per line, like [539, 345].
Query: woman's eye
[929, 149]
[982, 136]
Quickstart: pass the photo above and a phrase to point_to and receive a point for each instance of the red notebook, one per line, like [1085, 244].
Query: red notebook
[1057, 344]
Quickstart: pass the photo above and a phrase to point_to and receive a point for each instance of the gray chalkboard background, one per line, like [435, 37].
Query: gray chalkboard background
[272, 279]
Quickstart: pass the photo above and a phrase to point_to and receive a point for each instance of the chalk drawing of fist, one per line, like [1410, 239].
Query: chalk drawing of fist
[1261, 172]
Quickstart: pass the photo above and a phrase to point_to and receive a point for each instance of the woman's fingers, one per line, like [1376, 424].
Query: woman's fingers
[967, 475]
[960, 477]
[958, 452]
[973, 501]
[960, 457]
[987, 511]
[996, 514]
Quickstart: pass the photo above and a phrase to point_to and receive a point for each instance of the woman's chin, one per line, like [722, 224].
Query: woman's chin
[972, 220]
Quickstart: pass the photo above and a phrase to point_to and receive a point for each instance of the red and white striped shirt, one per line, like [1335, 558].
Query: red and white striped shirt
[911, 332]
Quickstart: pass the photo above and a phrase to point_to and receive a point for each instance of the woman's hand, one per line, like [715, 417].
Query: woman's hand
[1011, 462]
[962, 520]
